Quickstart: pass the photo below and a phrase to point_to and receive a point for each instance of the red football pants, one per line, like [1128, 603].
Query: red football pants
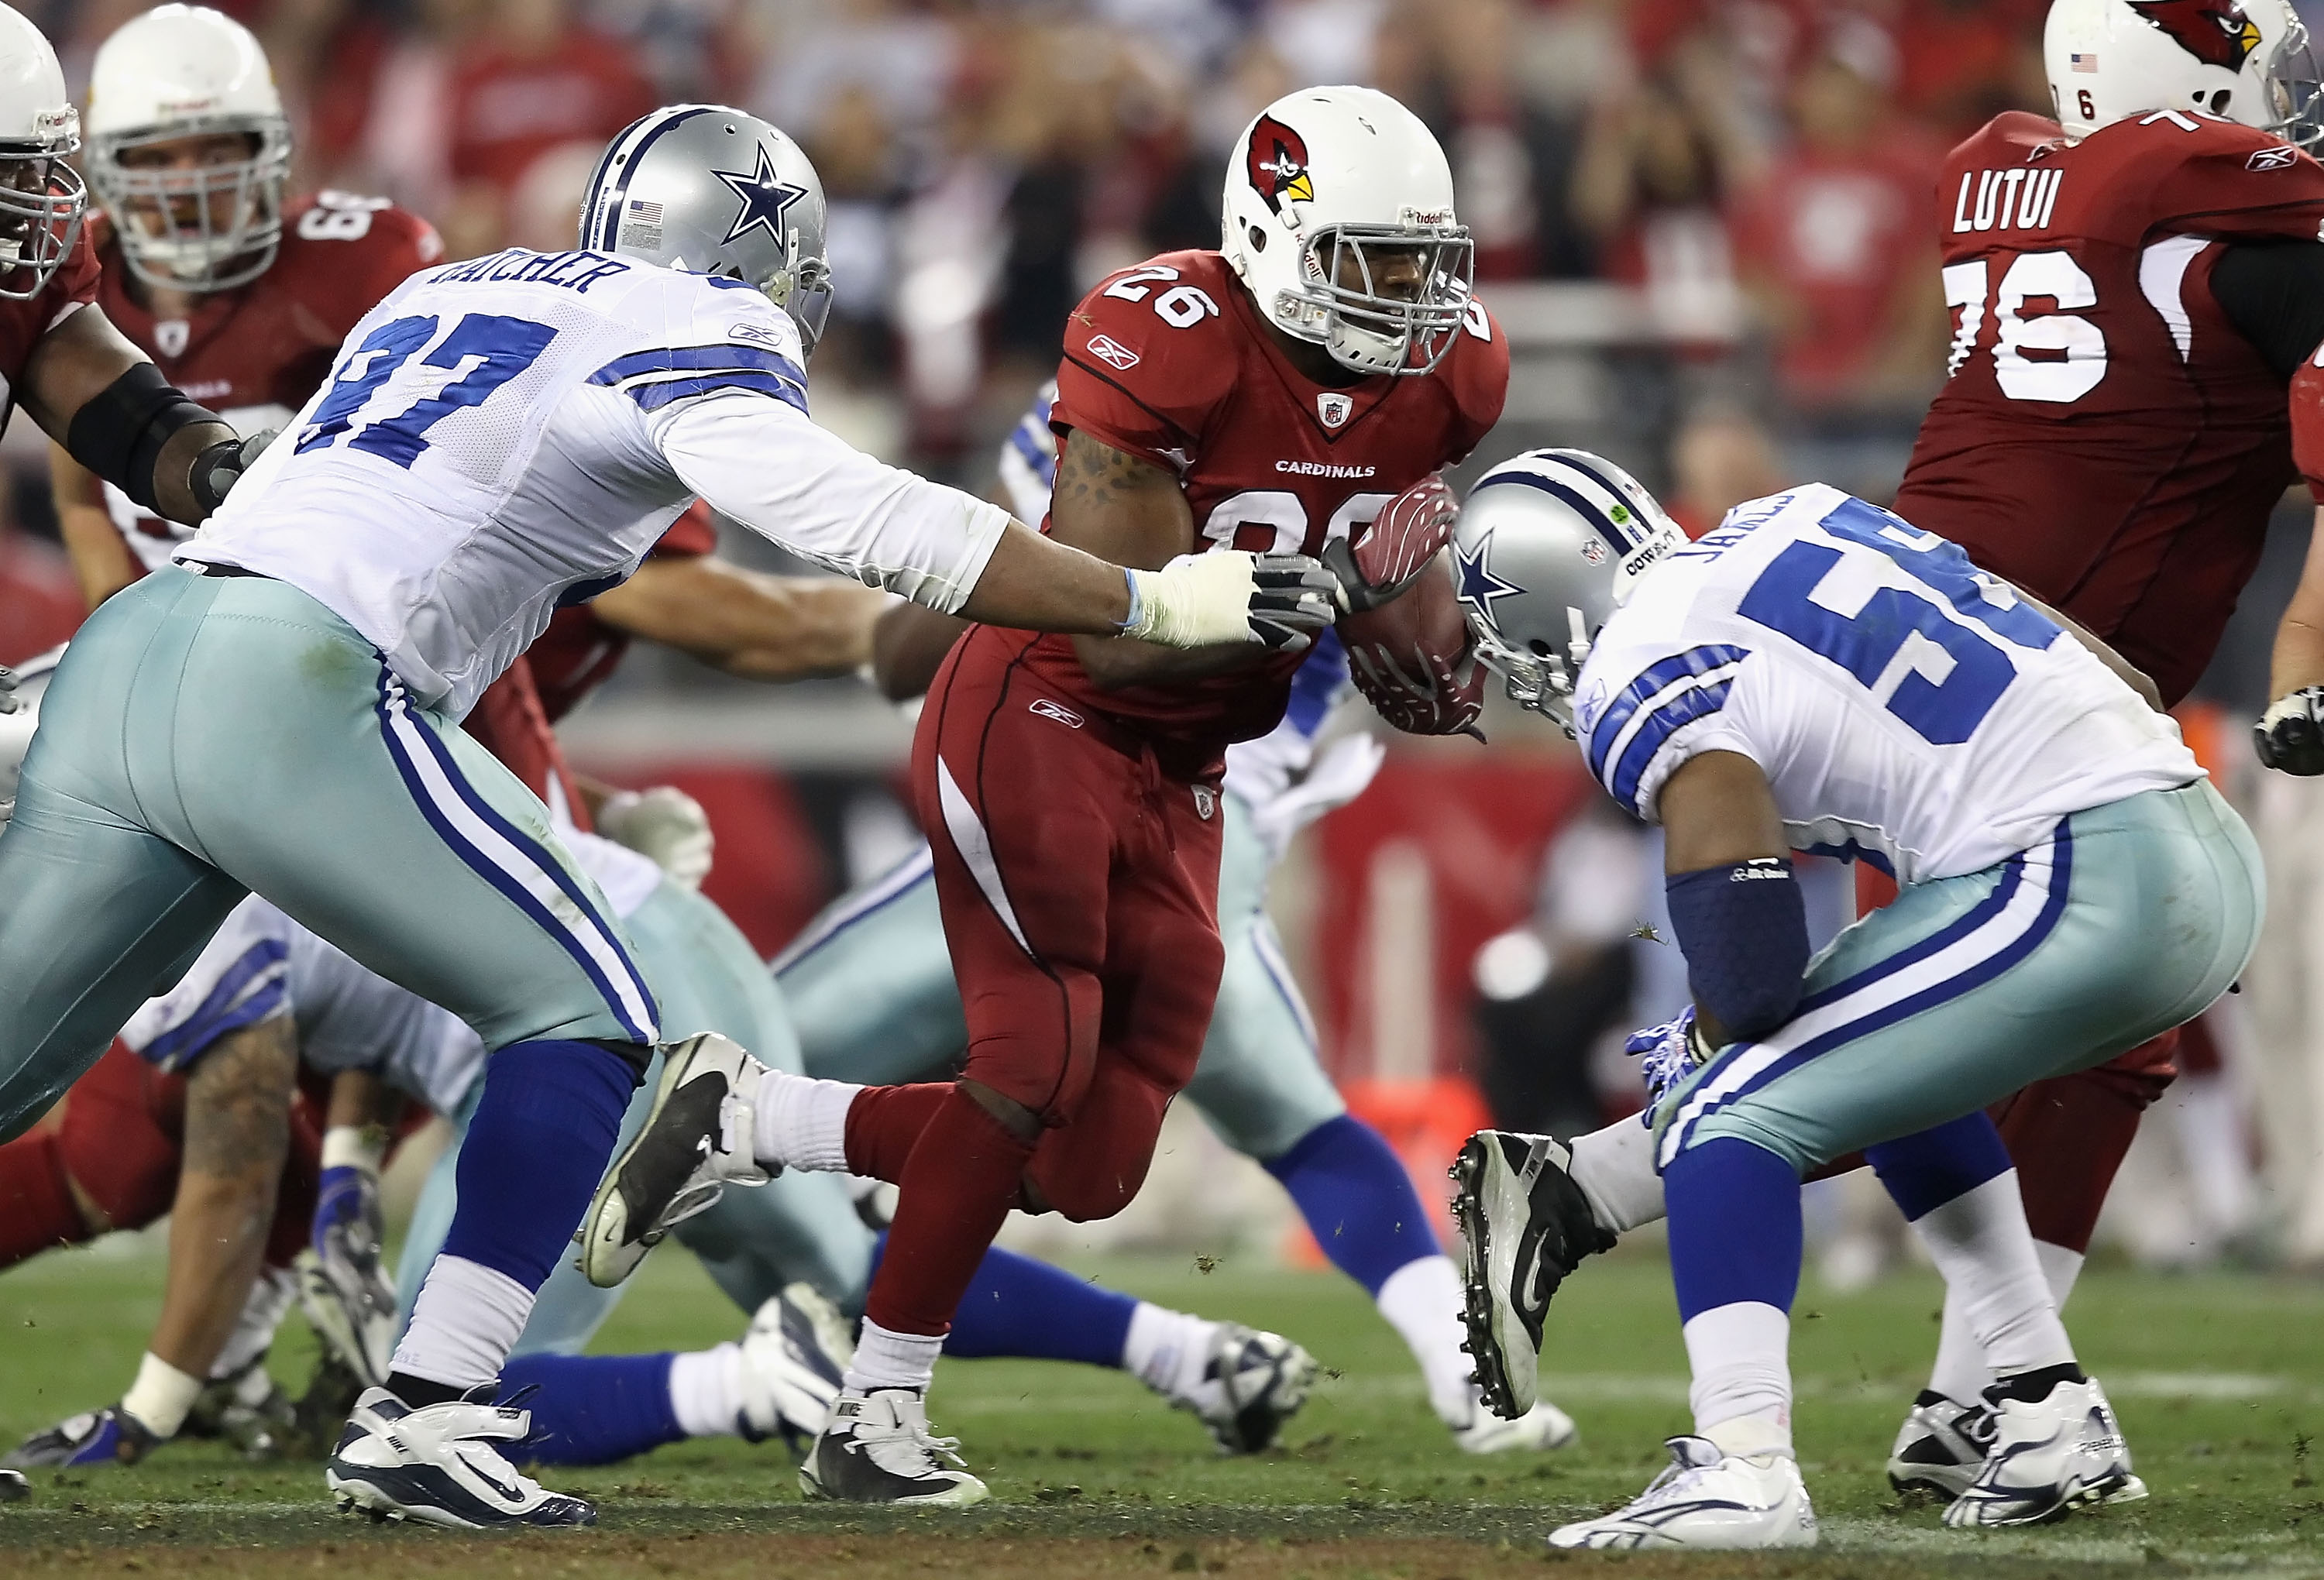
[121, 1139]
[2069, 1135]
[1077, 871]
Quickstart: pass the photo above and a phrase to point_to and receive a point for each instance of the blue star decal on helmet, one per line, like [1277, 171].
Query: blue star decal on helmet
[765, 200]
[1479, 586]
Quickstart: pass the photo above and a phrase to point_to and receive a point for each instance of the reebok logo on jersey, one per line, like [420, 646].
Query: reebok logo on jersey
[1107, 349]
[1057, 711]
[2271, 159]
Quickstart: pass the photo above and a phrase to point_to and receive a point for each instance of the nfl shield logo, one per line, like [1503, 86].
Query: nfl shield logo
[1333, 408]
[169, 337]
[1207, 803]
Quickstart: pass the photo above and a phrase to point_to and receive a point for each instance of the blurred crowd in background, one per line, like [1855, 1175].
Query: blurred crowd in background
[1709, 227]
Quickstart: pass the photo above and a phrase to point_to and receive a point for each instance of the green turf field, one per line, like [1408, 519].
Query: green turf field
[2219, 1381]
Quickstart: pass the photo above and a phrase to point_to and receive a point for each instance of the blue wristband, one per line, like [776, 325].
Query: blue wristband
[1137, 603]
[1744, 931]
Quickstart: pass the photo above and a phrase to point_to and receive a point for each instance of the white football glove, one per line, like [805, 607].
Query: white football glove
[1227, 595]
[665, 824]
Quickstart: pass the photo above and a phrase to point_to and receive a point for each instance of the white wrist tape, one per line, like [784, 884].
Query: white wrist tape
[1196, 600]
[162, 1396]
[354, 1146]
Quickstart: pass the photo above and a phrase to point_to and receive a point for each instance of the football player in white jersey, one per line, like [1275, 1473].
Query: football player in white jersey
[277, 712]
[870, 987]
[1817, 675]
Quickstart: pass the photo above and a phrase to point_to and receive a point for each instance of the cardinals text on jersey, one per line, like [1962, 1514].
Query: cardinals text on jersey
[1168, 362]
[1905, 706]
[2107, 439]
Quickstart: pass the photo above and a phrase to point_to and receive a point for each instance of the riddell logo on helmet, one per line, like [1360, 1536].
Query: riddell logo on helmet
[2215, 31]
[1276, 164]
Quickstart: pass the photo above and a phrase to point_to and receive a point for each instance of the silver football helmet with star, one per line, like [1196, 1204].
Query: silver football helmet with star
[717, 191]
[1548, 545]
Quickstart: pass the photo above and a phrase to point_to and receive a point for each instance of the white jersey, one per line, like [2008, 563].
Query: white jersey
[1905, 706]
[514, 432]
[261, 964]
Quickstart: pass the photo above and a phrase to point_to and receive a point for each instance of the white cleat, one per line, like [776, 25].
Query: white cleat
[1940, 1446]
[15, 1487]
[1709, 1501]
[2061, 1451]
[1540, 1429]
[698, 1139]
[1251, 1383]
[879, 1449]
[439, 1465]
[794, 1358]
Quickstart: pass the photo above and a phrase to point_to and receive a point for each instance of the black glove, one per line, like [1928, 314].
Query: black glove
[218, 468]
[2290, 735]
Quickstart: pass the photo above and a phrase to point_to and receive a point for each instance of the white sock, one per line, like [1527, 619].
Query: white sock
[1422, 1301]
[706, 1392]
[270, 1301]
[464, 1323]
[1753, 1437]
[161, 1396]
[1615, 1168]
[892, 1360]
[2059, 1269]
[1981, 1245]
[802, 1123]
[1740, 1355]
[1167, 1350]
[1960, 1373]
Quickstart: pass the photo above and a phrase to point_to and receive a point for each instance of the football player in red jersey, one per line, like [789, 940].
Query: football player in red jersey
[2132, 286]
[61, 358]
[237, 292]
[1298, 390]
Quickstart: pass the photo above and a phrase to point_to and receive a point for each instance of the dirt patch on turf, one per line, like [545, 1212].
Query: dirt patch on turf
[610, 1556]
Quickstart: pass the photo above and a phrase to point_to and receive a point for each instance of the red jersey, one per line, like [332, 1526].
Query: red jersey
[1169, 362]
[579, 651]
[254, 354]
[73, 286]
[2106, 438]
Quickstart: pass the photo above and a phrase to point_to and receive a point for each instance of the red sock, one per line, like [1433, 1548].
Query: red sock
[884, 1123]
[963, 1179]
[2068, 1135]
[36, 1204]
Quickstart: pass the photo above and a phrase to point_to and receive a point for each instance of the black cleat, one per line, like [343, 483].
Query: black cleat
[1526, 1226]
[878, 1449]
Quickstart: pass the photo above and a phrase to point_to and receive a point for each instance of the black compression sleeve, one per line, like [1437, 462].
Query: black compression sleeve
[120, 431]
[2272, 292]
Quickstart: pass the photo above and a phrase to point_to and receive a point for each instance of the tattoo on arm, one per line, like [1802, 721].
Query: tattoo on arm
[1112, 503]
[239, 1102]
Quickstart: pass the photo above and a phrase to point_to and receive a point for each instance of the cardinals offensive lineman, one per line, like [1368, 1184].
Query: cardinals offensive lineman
[1284, 394]
[2132, 284]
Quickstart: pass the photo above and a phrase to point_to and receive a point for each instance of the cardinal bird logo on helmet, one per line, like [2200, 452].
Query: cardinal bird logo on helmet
[1277, 163]
[2215, 31]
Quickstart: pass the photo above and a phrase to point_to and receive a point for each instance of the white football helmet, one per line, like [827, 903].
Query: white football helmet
[175, 74]
[42, 199]
[2247, 60]
[1339, 219]
[1549, 544]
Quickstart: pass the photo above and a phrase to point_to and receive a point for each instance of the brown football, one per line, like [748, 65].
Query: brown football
[1428, 615]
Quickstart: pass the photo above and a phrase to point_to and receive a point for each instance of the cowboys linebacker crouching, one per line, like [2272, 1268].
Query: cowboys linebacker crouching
[1817, 675]
[497, 434]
